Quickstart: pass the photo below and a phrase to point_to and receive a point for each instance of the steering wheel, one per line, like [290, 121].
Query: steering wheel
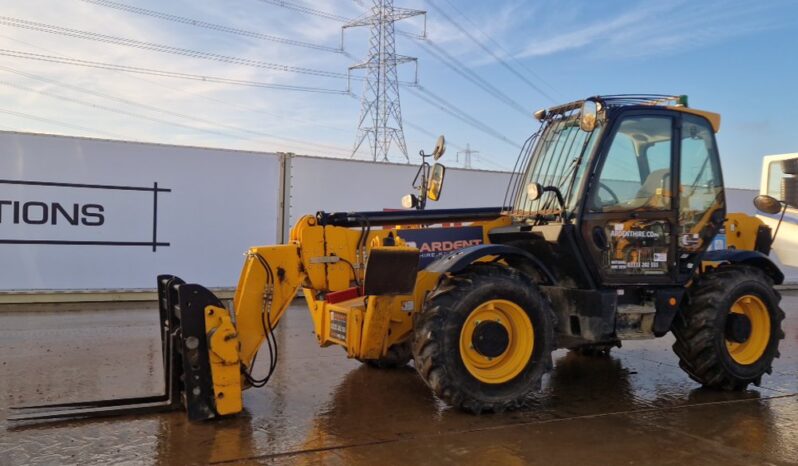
[615, 200]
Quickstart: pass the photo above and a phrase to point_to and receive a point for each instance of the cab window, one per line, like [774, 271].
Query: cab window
[636, 173]
[701, 187]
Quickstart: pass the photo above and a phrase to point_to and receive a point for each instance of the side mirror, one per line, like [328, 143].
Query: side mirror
[440, 147]
[588, 116]
[767, 204]
[409, 201]
[534, 191]
[435, 184]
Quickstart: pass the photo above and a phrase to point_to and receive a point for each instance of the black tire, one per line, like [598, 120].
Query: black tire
[436, 338]
[700, 328]
[397, 356]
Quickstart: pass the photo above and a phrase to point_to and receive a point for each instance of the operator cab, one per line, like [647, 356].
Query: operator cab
[621, 189]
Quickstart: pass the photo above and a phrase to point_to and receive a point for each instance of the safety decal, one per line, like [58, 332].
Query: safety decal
[338, 325]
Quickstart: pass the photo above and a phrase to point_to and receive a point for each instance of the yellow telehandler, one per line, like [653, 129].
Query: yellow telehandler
[614, 228]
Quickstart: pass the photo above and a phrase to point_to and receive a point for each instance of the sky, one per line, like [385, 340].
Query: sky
[482, 71]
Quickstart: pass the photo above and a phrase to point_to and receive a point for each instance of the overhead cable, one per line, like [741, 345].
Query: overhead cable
[307, 10]
[211, 26]
[490, 52]
[93, 36]
[211, 124]
[163, 73]
[498, 45]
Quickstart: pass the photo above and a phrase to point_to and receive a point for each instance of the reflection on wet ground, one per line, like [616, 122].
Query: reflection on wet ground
[634, 407]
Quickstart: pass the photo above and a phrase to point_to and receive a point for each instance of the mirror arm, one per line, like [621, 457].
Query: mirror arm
[420, 169]
[778, 225]
[422, 195]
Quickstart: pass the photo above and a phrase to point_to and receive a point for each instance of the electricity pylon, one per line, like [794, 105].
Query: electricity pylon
[380, 112]
[467, 156]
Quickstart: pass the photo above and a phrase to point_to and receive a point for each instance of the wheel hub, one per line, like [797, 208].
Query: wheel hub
[497, 341]
[490, 339]
[738, 328]
[747, 330]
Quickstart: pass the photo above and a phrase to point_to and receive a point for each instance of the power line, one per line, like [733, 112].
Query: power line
[167, 49]
[458, 113]
[51, 29]
[432, 135]
[111, 109]
[307, 10]
[449, 61]
[453, 144]
[498, 166]
[461, 69]
[211, 26]
[498, 45]
[153, 108]
[162, 73]
[186, 91]
[489, 51]
[455, 65]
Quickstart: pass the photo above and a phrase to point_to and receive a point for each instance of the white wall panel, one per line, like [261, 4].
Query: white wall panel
[335, 185]
[741, 200]
[211, 206]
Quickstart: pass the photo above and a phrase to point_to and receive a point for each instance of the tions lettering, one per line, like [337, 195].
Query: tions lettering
[54, 213]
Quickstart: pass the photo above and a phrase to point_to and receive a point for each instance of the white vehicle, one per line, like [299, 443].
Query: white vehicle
[780, 180]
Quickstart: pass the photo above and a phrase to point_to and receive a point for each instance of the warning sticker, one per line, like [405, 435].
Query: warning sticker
[338, 325]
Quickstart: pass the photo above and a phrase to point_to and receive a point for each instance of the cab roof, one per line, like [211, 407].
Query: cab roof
[672, 102]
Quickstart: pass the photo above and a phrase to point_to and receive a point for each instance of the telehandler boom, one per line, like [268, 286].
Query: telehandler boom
[615, 228]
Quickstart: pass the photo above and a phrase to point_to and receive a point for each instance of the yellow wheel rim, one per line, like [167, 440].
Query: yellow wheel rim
[749, 351]
[520, 341]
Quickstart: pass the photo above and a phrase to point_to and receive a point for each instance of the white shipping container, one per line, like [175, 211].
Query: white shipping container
[785, 248]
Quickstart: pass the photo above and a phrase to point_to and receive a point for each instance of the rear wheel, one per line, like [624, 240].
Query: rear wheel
[729, 334]
[484, 339]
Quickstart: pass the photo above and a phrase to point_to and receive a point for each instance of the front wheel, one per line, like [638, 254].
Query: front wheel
[728, 336]
[484, 339]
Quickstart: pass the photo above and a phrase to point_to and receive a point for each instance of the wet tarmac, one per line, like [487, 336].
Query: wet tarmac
[634, 407]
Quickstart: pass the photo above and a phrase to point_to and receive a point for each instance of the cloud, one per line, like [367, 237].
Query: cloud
[650, 28]
[280, 113]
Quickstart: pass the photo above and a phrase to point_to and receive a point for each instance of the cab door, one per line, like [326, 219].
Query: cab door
[629, 221]
[702, 203]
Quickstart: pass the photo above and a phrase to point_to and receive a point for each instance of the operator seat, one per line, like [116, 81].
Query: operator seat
[655, 191]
